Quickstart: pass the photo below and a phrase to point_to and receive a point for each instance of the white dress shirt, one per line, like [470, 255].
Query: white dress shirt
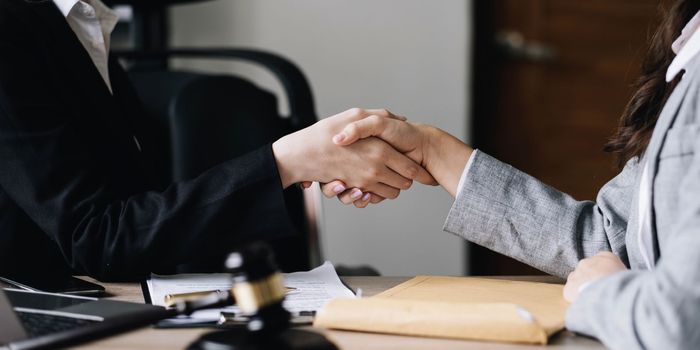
[465, 173]
[93, 23]
[686, 46]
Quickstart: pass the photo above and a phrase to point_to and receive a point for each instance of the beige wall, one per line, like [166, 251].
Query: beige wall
[410, 56]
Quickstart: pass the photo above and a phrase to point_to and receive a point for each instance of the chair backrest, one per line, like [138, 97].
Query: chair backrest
[206, 119]
[221, 117]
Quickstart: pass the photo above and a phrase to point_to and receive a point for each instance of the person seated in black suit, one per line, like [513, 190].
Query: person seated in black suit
[76, 193]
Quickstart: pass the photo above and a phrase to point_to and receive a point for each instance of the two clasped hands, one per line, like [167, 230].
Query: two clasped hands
[364, 156]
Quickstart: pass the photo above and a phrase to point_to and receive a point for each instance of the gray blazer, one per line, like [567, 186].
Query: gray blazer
[512, 213]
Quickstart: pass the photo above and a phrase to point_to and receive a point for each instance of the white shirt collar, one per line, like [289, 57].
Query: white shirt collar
[686, 47]
[65, 6]
[107, 16]
[103, 12]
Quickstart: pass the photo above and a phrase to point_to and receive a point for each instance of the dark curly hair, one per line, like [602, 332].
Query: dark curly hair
[651, 90]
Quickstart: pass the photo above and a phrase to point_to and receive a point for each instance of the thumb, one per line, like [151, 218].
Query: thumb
[373, 125]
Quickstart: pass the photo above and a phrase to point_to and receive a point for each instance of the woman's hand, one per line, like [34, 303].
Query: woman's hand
[589, 270]
[443, 155]
[372, 164]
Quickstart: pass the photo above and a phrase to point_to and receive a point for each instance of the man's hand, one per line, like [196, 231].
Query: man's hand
[589, 270]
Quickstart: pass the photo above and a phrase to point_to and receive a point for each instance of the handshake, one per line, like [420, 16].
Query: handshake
[365, 156]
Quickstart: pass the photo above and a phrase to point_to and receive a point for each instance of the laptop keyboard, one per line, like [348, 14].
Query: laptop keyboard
[40, 324]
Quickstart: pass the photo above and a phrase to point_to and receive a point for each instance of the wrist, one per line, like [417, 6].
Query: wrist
[288, 167]
[445, 158]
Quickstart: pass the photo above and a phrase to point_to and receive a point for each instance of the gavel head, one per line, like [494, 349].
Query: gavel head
[258, 288]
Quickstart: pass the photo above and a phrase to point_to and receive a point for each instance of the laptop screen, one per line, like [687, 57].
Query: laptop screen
[43, 301]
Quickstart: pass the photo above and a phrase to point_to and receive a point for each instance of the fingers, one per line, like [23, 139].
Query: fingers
[351, 195]
[383, 190]
[376, 199]
[386, 114]
[367, 199]
[305, 184]
[407, 168]
[355, 195]
[386, 180]
[333, 188]
[570, 290]
[373, 125]
[364, 201]
[358, 198]
[425, 178]
[355, 114]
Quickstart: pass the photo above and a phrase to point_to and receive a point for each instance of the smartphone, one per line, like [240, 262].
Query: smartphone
[63, 285]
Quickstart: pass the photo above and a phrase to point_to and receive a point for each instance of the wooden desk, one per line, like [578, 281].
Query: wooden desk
[150, 338]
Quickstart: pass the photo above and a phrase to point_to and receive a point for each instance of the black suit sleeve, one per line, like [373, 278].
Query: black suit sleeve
[49, 170]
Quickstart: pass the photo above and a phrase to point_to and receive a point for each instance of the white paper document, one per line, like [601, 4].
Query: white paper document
[310, 290]
[313, 289]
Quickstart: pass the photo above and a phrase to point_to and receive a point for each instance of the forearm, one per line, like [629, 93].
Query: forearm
[110, 228]
[445, 158]
[513, 213]
[237, 201]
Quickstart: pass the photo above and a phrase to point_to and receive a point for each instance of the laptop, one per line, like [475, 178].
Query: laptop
[33, 320]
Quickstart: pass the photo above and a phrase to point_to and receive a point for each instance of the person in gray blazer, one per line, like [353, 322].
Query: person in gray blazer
[632, 256]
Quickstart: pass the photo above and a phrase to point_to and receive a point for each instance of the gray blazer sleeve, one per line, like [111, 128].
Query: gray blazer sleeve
[510, 212]
[652, 309]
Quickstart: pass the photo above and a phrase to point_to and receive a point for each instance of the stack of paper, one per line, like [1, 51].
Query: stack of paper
[455, 307]
[311, 290]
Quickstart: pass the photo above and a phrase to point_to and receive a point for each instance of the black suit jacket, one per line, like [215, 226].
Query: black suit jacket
[76, 193]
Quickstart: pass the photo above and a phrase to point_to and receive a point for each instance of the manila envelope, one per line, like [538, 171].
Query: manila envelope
[455, 307]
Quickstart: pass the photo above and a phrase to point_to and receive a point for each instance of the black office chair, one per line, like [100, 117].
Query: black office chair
[200, 120]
